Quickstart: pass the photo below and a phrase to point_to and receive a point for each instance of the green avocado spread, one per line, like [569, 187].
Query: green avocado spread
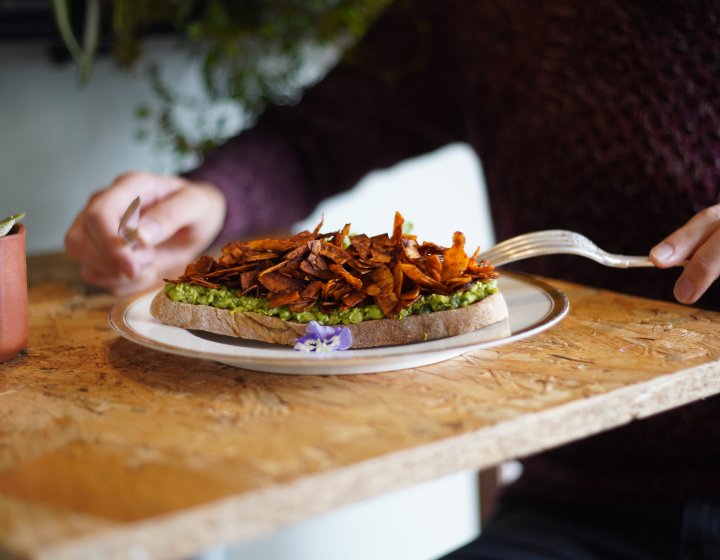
[224, 298]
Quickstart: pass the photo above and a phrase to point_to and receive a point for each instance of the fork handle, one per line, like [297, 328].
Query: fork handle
[626, 261]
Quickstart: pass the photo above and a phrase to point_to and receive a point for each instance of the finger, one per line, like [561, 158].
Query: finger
[146, 279]
[681, 244]
[193, 207]
[82, 245]
[172, 257]
[701, 271]
[137, 259]
[108, 254]
[74, 238]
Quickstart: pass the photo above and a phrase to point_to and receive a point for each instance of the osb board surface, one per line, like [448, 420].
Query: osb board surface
[108, 449]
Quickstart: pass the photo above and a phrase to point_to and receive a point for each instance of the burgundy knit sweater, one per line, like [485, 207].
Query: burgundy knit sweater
[596, 116]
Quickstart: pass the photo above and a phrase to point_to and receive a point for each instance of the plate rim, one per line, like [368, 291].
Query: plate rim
[559, 308]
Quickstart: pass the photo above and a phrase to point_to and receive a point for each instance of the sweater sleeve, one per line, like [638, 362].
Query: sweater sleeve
[390, 98]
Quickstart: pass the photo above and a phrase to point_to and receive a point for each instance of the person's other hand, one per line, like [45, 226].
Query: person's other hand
[697, 242]
[178, 220]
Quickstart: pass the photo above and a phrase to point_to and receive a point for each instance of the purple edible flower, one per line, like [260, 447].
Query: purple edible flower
[323, 339]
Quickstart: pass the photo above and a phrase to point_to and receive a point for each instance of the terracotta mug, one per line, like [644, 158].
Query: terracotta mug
[13, 293]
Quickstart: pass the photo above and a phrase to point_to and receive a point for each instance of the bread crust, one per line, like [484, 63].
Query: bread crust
[367, 334]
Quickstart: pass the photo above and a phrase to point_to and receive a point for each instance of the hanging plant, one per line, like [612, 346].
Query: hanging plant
[249, 53]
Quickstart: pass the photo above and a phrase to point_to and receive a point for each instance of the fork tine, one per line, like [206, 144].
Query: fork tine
[536, 251]
[536, 237]
[526, 236]
[532, 242]
[523, 244]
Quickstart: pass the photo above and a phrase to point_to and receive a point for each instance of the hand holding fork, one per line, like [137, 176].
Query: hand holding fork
[686, 247]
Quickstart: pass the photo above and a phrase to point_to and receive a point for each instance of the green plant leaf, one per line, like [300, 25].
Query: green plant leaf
[84, 55]
[91, 37]
[142, 112]
[7, 224]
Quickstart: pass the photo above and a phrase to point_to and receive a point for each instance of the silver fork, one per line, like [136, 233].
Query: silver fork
[553, 242]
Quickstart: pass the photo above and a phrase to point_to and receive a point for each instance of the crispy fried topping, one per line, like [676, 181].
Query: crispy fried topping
[337, 270]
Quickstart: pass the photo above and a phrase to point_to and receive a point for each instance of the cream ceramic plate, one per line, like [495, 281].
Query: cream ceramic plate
[534, 306]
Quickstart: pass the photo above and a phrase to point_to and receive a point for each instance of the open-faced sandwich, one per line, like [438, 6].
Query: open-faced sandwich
[386, 289]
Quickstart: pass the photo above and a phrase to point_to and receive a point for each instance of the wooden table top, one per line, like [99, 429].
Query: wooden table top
[110, 450]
